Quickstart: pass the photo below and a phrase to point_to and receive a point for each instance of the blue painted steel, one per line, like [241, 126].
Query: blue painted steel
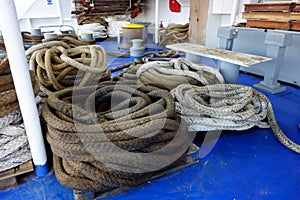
[243, 165]
[41, 170]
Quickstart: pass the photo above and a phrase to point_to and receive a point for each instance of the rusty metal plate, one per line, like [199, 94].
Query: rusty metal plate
[237, 58]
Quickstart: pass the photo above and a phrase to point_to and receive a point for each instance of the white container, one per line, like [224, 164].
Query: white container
[49, 35]
[86, 35]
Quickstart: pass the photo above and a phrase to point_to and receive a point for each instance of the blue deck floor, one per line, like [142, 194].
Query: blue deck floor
[242, 165]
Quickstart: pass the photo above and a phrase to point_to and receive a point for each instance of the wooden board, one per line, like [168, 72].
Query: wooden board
[272, 24]
[16, 171]
[237, 58]
[296, 7]
[198, 21]
[192, 158]
[278, 6]
[8, 178]
[295, 26]
[272, 15]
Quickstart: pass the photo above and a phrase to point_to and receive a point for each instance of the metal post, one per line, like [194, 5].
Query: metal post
[230, 72]
[276, 45]
[18, 65]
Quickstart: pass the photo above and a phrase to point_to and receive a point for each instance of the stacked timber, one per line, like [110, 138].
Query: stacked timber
[275, 15]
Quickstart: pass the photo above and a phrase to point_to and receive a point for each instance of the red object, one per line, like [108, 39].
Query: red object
[174, 6]
[161, 25]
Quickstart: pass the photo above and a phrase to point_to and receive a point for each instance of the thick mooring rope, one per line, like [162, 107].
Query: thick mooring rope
[174, 34]
[14, 147]
[168, 75]
[31, 39]
[71, 40]
[58, 66]
[227, 107]
[136, 119]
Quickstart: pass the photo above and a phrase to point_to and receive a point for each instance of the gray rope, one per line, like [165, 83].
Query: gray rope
[227, 107]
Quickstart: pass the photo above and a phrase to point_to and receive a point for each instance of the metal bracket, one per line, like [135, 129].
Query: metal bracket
[276, 44]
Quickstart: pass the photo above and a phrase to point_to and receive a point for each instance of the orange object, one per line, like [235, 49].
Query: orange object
[174, 6]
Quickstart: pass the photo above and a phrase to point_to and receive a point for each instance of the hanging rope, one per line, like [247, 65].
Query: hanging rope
[58, 66]
[168, 75]
[227, 107]
[138, 120]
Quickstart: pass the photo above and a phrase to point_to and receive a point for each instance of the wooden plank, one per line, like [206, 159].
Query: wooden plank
[296, 7]
[8, 178]
[278, 6]
[272, 15]
[16, 171]
[198, 21]
[295, 26]
[237, 58]
[192, 158]
[271, 24]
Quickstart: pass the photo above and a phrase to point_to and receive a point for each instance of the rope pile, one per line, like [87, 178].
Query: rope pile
[168, 75]
[71, 40]
[59, 66]
[174, 34]
[14, 147]
[130, 69]
[102, 136]
[31, 39]
[90, 19]
[2, 45]
[227, 107]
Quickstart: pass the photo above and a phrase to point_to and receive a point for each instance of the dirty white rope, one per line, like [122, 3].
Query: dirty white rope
[227, 107]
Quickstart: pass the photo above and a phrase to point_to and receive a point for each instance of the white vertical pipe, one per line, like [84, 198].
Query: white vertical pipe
[18, 65]
[156, 21]
[235, 7]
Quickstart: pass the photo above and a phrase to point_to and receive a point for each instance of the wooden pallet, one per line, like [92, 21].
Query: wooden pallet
[8, 178]
[280, 15]
[278, 6]
[192, 158]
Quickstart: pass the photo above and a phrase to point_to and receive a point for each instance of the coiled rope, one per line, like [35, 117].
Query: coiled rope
[71, 40]
[138, 120]
[14, 147]
[227, 107]
[59, 66]
[174, 34]
[31, 39]
[168, 75]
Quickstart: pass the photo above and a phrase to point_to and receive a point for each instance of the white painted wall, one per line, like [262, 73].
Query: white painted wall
[165, 14]
[35, 13]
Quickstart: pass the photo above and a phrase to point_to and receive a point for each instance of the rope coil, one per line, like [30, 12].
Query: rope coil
[137, 120]
[168, 75]
[174, 34]
[14, 147]
[227, 107]
[58, 66]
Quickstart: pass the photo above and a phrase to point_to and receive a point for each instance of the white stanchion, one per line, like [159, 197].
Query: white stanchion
[16, 55]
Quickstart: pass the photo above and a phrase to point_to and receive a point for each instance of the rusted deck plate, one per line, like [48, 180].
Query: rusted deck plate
[275, 24]
[279, 6]
[237, 58]
[272, 15]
